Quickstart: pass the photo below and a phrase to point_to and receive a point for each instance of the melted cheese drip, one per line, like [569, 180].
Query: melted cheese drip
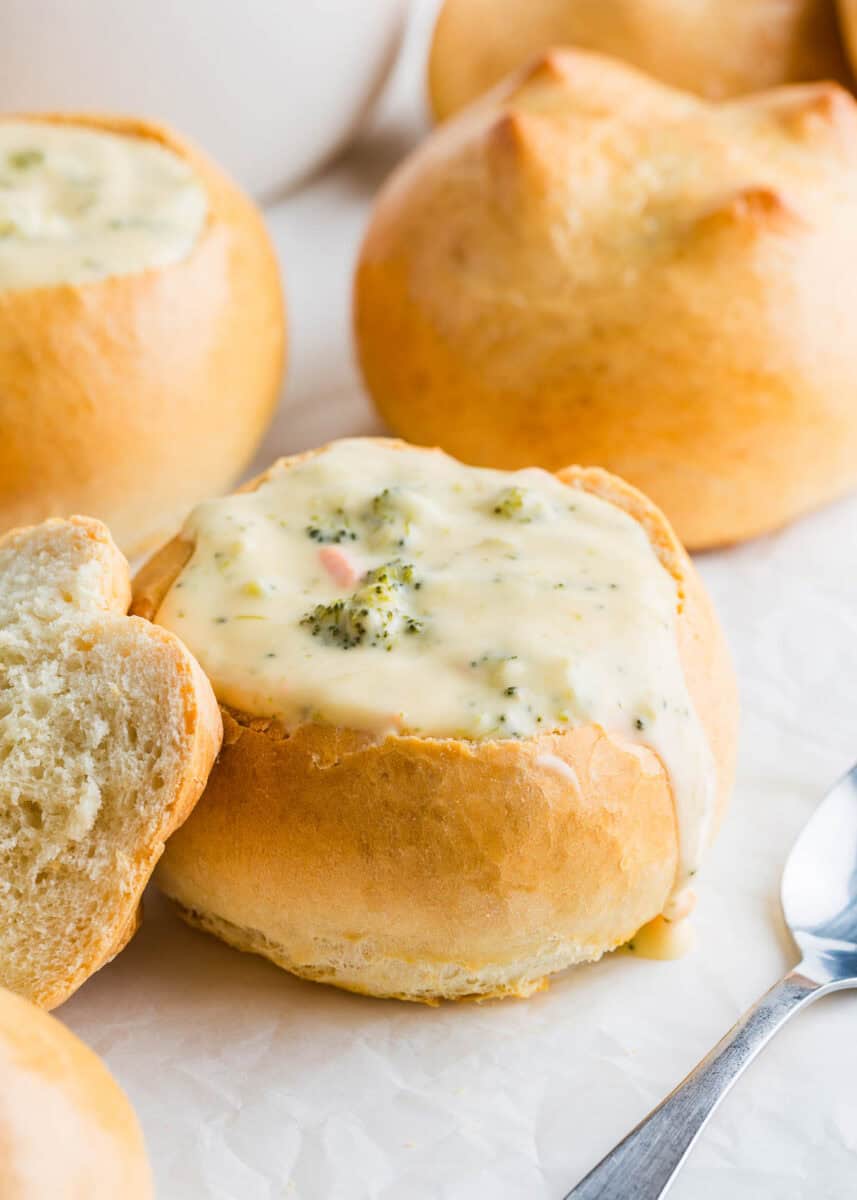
[78, 204]
[664, 940]
[671, 933]
[517, 606]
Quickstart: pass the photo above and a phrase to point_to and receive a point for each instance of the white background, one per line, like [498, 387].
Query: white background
[254, 1085]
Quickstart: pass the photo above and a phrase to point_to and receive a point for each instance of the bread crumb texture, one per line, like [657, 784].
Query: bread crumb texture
[103, 749]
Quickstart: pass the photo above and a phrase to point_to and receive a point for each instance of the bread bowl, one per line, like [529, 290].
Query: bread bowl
[422, 791]
[141, 325]
[108, 729]
[66, 1128]
[717, 48]
[591, 267]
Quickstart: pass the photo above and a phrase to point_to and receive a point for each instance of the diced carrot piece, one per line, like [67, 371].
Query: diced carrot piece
[339, 566]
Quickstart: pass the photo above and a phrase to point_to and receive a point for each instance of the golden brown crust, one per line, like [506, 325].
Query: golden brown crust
[848, 23]
[134, 396]
[717, 48]
[435, 854]
[425, 867]
[156, 576]
[66, 1128]
[686, 321]
[125, 935]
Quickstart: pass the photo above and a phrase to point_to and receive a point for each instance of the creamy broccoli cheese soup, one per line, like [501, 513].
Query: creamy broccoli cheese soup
[397, 590]
[78, 204]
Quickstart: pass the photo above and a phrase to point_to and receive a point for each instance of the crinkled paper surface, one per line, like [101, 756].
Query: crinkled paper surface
[252, 1085]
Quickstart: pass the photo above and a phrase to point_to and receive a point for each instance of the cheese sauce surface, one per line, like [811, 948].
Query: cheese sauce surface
[78, 204]
[397, 590]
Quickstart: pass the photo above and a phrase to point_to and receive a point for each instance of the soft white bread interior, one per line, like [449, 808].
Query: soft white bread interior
[108, 729]
[428, 867]
[718, 48]
[66, 1128]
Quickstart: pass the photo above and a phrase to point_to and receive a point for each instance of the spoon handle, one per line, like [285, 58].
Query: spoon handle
[644, 1164]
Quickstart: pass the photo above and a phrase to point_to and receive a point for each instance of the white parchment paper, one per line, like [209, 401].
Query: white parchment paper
[252, 1085]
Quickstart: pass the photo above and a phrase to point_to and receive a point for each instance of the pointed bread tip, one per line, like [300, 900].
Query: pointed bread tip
[754, 209]
[817, 114]
[509, 133]
[825, 104]
[550, 66]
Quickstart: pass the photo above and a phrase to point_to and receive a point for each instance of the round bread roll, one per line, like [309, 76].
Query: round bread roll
[478, 726]
[848, 21]
[717, 48]
[591, 267]
[66, 1127]
[141, 325]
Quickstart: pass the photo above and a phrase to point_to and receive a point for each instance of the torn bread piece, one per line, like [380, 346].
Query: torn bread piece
[108, 731]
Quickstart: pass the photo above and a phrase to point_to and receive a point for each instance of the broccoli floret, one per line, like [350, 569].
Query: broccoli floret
[373, 615]
[395, 574]
[388, 518]
[517, 504]
[337, 529]
[22, 160]
[385, 507]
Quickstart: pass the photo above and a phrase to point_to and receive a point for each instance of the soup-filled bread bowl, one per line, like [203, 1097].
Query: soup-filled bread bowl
[588, 266]
[141, 325]
[479, 725]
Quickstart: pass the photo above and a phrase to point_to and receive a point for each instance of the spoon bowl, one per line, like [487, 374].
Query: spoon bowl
[819, 900]
[819, 888]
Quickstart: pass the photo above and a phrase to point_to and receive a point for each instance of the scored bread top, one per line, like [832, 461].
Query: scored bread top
[589, 266]
[108, 730]
[379, 587]
[716, 48]
[586, 161]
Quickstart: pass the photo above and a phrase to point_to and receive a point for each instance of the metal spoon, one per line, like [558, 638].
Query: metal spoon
[819, 899]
